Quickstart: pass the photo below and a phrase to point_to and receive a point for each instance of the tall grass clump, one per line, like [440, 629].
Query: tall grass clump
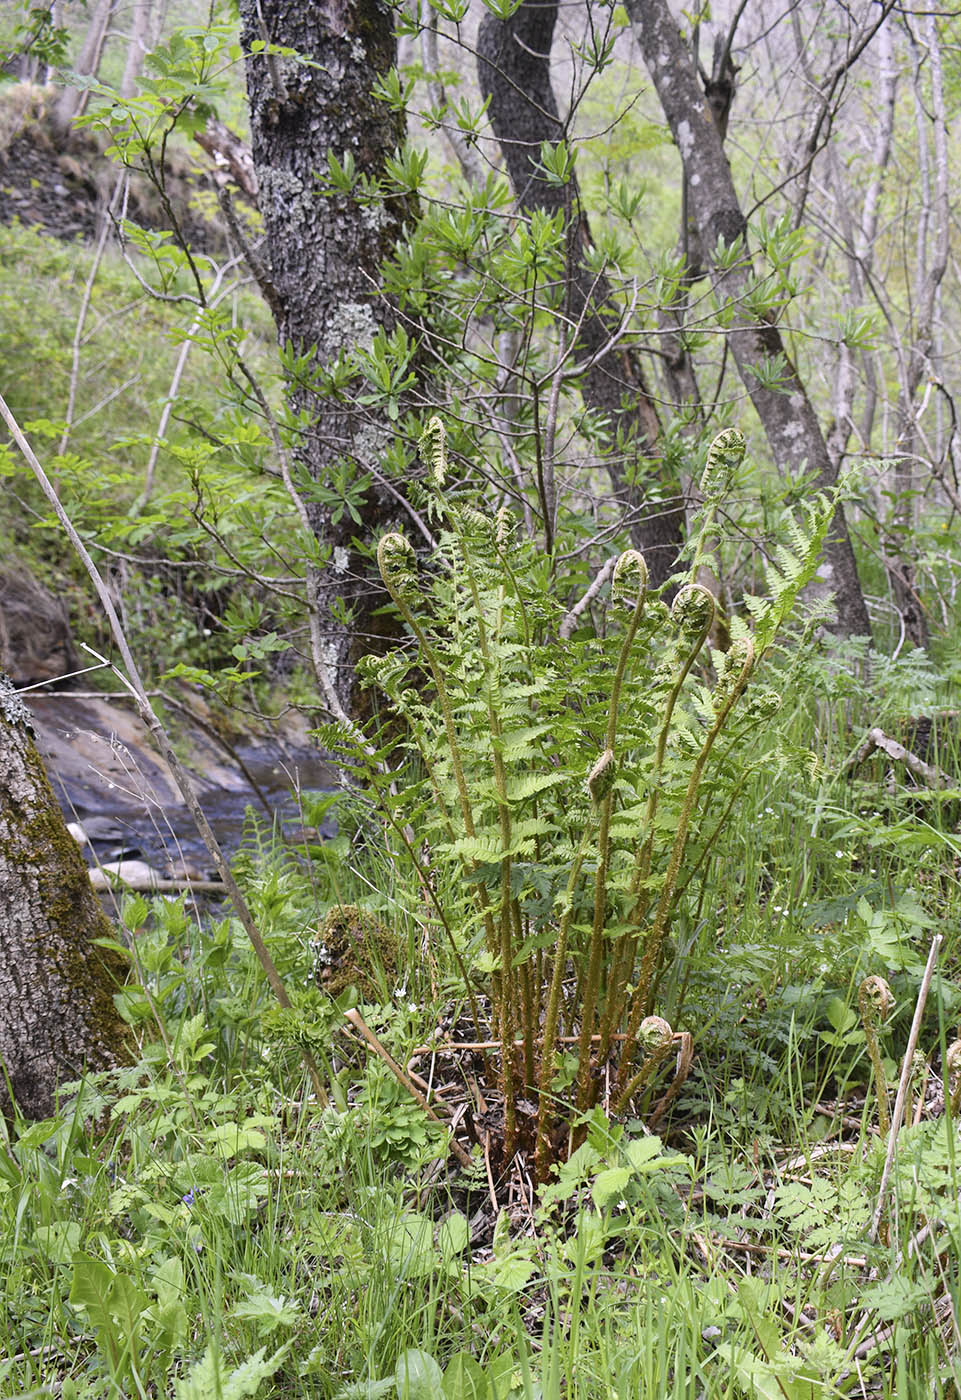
[564, 787]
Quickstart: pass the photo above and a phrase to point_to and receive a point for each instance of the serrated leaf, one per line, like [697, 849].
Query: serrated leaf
[610, 1183]
[210, 1380]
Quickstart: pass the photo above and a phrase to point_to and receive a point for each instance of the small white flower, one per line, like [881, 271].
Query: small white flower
[622, 1204]
[839, 854]
[769, 811]
[412, 1007]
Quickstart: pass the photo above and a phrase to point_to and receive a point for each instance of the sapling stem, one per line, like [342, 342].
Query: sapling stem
[904, 1083]
[629, 572]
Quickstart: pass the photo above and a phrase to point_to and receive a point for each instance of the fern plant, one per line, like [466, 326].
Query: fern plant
[576, 788]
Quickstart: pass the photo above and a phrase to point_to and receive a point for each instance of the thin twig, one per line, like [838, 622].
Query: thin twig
[905, 1081]
[570, 619]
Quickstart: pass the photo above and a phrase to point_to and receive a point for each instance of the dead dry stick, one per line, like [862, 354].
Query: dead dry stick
[135, 685]
[930, 775]
[904, 1084]
[118, 885]
[359, 1024]
[569, 622]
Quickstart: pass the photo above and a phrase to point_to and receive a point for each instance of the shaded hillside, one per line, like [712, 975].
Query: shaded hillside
[65, 185]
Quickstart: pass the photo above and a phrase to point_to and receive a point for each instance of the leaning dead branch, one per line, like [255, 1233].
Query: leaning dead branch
[878, 741]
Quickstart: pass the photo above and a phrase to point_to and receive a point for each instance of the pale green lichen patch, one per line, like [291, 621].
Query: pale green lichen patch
[12, 708]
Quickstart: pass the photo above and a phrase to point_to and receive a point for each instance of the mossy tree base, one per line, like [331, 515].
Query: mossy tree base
[57, 1014]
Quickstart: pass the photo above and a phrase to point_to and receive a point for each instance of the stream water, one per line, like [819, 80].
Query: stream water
[167, 838]
[110, 780]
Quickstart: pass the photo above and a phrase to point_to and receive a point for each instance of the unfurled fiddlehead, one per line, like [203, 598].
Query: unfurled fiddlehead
[875, 1003]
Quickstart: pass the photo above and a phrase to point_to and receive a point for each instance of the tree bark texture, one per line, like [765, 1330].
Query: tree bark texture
[57, 1015]
[513, 61]
[325, 252]
[73, 100]
[786, 412]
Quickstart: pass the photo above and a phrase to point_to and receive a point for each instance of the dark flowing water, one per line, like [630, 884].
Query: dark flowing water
[108, 778]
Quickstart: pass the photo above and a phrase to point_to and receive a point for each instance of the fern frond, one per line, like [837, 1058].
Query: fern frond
[433, 452]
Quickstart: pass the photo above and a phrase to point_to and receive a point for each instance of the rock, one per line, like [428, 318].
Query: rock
[78, 833]
[103, 829]
[102, 763]
[35, 642]
[130, 872]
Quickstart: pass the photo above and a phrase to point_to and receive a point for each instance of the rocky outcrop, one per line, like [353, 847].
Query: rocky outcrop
[63, 184]
[35, 642]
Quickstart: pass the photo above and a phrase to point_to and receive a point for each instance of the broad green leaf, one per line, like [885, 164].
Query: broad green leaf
[609, 1184]
[464, 1379]
[418, 1377]
[453, 1236]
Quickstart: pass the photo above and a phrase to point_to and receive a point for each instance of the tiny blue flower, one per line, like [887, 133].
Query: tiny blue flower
[188, 1199]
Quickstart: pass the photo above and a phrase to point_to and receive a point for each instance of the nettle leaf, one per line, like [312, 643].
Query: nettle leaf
[610, 1184]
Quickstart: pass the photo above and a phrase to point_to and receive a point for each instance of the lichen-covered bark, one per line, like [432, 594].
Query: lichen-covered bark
[785, 410]
[57, 1015]
[325, 252]
[513, 64]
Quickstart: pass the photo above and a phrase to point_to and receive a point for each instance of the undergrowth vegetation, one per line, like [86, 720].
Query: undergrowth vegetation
[200, 1224]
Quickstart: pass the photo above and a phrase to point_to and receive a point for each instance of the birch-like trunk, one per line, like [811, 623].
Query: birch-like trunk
[323, 280]
[785, 409]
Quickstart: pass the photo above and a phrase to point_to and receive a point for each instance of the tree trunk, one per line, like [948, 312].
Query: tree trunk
[138, 44]
[514, 72]
[785, 410]
[325, 253]
[73, 100]
[57, 1016]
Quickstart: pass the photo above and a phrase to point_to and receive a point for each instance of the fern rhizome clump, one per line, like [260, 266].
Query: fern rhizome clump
[563, 796]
